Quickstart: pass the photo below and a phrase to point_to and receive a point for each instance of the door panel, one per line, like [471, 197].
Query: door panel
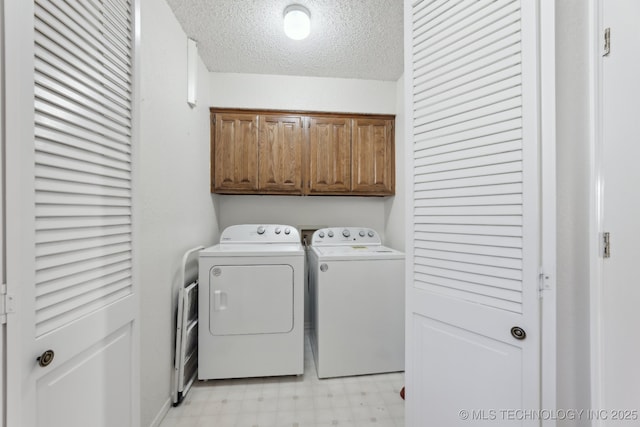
[329, 155]
[281, 153]
[474, 224]
[107, 366]
[235, 152]
[373, 151]
[468, 379]
[620, 208]
[250, 299]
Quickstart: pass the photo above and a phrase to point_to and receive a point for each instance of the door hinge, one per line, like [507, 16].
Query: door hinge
[607, 42]
[544, 282]
[606, 245]
[7, 304]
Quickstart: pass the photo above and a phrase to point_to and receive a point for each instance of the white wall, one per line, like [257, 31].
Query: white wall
[303, 211]
[302, 93]
[573, 166]
[177, 211]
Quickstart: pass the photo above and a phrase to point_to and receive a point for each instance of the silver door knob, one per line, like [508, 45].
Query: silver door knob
[45, 358]
[518, 333]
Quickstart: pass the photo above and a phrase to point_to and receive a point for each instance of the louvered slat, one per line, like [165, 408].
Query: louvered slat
[77, 233]
[91, 43]
[467, 151]
[68, 270]
[83, 120]
[87, 277]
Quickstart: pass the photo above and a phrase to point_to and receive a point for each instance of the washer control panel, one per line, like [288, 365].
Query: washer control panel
[334, 236]
[260, 233]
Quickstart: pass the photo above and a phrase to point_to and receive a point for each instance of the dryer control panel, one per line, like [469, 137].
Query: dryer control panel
[335, 236]
[260, 233]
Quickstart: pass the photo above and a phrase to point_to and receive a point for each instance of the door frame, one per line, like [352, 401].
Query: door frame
[596, 206]
[20, 207]
[548, 273]
[546, 116]
[3, 327]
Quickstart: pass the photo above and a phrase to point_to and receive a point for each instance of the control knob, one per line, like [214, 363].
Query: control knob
[361, 233]
[346, 233]
[287, 231]
[261, 230]
[330, 233]
[370, 233]
[278, 230]
[321, 234]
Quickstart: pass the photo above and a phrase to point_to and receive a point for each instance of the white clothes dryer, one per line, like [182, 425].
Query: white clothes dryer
[251, 303]
[356, 289]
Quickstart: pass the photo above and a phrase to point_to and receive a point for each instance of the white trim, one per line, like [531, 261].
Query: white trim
[547, 103]
[595, 204]
[136, 387]
[157, 420]
[3, 327]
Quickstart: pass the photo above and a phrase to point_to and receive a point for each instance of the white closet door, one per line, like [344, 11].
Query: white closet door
[618, 382]
[474, 223]
[70, 214]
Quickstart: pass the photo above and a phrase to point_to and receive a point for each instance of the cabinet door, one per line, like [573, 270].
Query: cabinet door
[373, 166]
[329, 155]
[281, 153]
[235, 148]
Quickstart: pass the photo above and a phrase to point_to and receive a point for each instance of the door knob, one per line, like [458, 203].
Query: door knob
[46, 358]
[518, 333]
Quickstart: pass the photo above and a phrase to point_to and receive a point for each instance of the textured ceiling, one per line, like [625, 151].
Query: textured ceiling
[349, 38]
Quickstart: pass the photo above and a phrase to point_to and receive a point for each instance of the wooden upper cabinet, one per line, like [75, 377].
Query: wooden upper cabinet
[373, 163]
[235, 153]
[281, 142]
[303, 153]
[329, 155]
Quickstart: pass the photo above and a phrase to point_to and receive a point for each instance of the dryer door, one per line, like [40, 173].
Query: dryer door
[250, 299]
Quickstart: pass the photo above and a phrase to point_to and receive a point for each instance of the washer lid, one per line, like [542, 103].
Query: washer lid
[355, 252]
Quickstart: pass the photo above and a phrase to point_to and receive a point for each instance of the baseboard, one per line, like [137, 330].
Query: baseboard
[161, 414]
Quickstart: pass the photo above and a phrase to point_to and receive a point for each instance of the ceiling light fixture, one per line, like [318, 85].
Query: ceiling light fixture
[297, 22]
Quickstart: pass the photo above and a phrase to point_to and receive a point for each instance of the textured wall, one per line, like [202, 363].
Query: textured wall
[573, 168]
[177, 210]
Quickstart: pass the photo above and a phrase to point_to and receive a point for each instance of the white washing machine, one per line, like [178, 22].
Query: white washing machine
[356, 289]
[251, 303]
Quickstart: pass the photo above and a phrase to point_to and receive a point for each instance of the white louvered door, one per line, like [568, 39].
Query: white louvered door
[69, 210]
[474, 226]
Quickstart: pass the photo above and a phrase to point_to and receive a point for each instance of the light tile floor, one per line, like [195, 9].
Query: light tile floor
[293, 401]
